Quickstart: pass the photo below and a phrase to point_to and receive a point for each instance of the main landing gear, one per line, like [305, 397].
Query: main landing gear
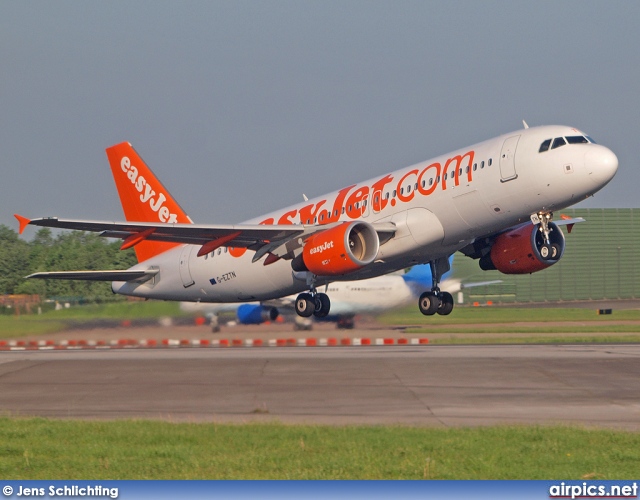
[313, 303]
[548, 250]
[436, 301]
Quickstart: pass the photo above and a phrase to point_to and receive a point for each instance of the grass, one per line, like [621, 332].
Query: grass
[53, 321]
[573, 339]
[500, 325]
[473, 321]
[62, 449]
[472, 315]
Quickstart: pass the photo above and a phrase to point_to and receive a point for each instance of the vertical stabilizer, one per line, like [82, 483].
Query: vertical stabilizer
[143, 197]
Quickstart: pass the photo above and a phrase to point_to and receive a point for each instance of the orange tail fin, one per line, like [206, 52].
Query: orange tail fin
[143, 197]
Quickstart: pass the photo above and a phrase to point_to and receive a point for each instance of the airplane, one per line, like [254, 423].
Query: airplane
[493, 201]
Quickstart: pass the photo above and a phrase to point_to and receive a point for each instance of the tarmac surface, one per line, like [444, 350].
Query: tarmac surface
[593, 385]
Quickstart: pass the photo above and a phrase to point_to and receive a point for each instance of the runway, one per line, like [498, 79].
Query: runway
[594, 385]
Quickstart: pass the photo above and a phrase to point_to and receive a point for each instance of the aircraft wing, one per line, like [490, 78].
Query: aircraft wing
[195, 234]
[125, 275]
[276, 239]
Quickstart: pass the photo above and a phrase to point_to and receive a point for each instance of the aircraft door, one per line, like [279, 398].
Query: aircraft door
[508, 159]
[185, 270]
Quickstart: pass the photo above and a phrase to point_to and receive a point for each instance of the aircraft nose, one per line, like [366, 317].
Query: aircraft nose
[601, 164]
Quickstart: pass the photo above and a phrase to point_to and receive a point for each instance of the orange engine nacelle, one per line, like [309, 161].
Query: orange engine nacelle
[518, 251]
[341, 250]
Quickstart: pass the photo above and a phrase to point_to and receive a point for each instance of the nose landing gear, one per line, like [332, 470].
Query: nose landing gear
[548, 250]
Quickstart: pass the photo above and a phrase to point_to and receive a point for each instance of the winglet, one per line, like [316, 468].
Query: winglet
[24, 222]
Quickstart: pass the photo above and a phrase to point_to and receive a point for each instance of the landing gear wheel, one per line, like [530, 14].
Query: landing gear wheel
[546, 251]
[305, 305]
[446, 304]
[429, 303]
[322, 305]
[555, 251]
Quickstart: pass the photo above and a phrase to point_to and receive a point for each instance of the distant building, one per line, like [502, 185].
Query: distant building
[601, 261]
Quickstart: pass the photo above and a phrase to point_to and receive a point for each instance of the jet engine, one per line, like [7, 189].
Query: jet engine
[339, 250]
[251, 314]
[523, 250]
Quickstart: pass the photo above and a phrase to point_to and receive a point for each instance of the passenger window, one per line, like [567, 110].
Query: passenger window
[416, 186]
[431, 181]
[401, 190]
[219, 251]
[475, 167]
[424, 183]
[490, 161]
[394, 193]
[445, 176]
[460, 171]
[577, 139]
[544, 146]
[409, 188]
[557, 142]
[482, 164]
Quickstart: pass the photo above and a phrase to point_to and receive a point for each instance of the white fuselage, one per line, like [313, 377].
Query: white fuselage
[438, 206]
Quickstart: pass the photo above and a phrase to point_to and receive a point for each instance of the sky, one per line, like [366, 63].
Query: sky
[240, 107]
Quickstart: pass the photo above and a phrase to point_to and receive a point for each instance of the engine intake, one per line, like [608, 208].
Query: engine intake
[522, 250]
[339, 250]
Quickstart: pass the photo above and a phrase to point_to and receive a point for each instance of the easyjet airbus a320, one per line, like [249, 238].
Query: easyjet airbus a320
[494, 201]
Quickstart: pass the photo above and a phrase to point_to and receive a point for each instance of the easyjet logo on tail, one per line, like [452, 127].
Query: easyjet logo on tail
[147, 192]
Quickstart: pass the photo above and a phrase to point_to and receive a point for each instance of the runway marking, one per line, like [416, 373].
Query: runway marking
[49, 345]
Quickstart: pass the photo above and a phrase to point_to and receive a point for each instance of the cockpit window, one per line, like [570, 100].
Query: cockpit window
[557, 142]
[544, 146]
[591, 140]
[576, 139]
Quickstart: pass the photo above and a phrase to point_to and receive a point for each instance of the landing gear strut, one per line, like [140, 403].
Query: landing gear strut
[548, 250]
[436, 301]
[313, 303]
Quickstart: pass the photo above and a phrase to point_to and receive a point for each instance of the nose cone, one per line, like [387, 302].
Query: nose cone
[601, 164]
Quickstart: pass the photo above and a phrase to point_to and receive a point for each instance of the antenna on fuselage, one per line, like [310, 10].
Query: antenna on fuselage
[305, 197]
[525, 124]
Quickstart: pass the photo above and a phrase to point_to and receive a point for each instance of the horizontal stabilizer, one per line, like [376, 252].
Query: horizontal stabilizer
[124, 275]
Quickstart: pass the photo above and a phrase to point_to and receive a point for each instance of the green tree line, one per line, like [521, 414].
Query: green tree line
[68, 251]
